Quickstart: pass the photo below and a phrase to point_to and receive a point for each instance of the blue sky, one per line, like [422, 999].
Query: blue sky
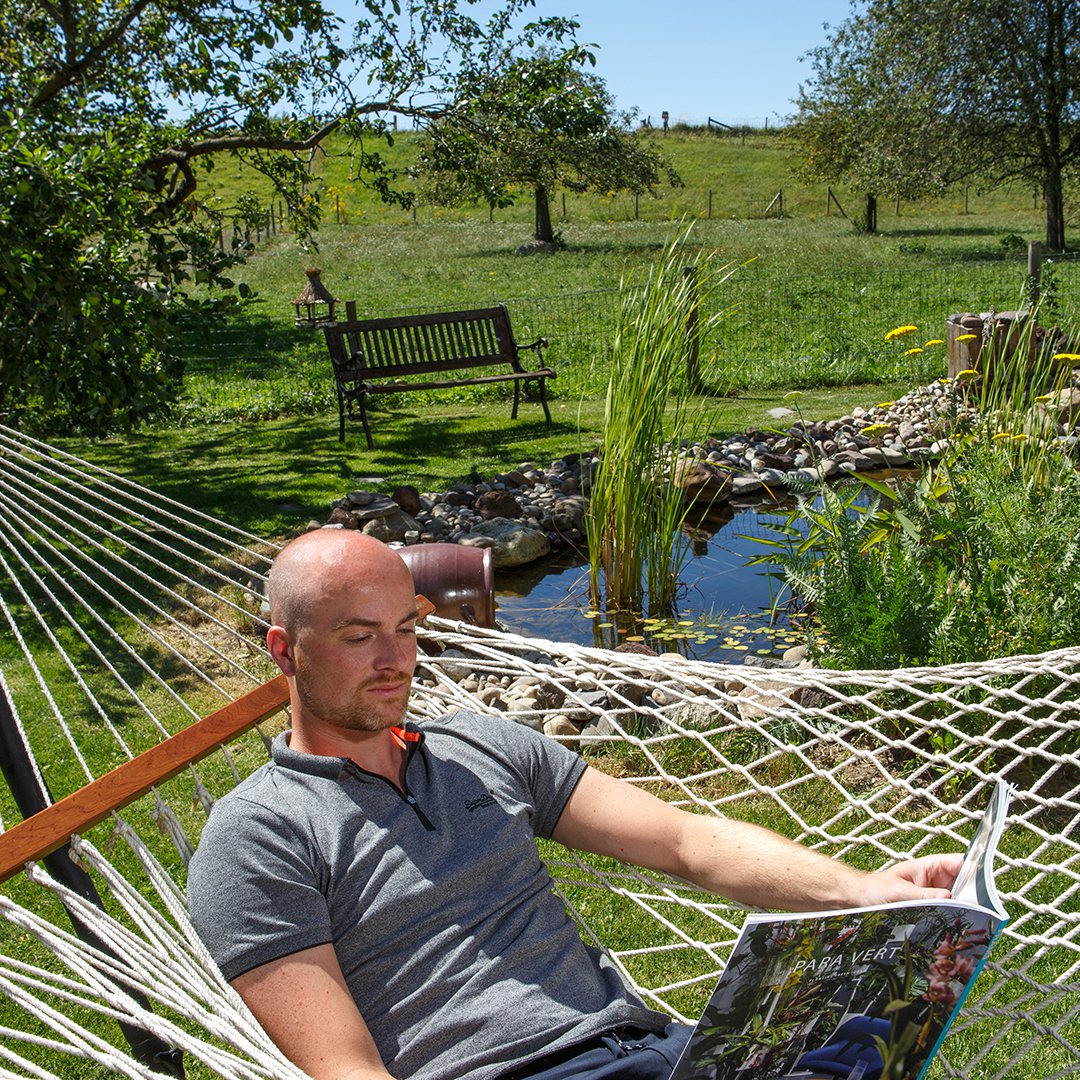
[734, 61]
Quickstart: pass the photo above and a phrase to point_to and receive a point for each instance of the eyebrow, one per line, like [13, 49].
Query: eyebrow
[359, 620]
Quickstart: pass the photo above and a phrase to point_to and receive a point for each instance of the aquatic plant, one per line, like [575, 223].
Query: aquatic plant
[634, 524]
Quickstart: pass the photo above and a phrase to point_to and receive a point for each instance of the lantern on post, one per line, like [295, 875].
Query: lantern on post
[314, 305]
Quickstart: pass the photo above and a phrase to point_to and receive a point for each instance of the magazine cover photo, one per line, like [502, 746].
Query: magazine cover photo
[847, 995]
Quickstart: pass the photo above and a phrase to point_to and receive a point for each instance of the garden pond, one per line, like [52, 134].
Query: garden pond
[724, 605]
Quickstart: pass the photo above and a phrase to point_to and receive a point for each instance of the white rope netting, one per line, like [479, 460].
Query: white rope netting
[125, 615]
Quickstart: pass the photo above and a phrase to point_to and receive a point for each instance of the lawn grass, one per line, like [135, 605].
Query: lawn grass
[273, 477]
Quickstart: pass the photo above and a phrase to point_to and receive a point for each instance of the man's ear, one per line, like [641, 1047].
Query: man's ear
[277, 641]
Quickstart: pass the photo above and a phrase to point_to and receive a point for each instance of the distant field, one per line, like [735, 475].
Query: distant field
[808, 305]
[741, 175]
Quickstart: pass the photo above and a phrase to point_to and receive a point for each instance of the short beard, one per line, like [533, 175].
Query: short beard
[348, 715]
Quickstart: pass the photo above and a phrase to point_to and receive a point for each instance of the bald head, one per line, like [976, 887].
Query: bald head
[320, 563]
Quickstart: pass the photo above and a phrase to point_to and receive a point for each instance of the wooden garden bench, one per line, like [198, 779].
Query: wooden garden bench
[365, 351]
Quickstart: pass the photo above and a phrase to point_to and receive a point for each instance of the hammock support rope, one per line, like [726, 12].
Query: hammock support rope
[125, 616]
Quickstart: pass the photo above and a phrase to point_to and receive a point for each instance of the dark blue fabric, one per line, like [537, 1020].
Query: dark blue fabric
[851, 1043]
[626, 1053]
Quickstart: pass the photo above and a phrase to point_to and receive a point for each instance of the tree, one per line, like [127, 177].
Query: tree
[910, 96]
[540, 121]
[111, 111]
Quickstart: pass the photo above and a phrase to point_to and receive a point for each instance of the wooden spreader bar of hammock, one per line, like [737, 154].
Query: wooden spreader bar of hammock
[51, 828]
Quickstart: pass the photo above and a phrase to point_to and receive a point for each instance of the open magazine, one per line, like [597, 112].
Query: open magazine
[851, 995]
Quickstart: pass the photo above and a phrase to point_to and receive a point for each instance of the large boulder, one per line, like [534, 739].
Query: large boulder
[701, 480]
[512, 543]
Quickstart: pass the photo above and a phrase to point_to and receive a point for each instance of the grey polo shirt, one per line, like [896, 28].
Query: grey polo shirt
[461, 959]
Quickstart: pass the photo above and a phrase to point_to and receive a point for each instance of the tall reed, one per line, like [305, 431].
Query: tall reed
[1014, 392]
[634, 525]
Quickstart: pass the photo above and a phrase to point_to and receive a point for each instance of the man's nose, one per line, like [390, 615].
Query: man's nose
[392, 652]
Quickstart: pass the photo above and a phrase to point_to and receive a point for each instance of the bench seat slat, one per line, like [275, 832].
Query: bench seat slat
[444, 384]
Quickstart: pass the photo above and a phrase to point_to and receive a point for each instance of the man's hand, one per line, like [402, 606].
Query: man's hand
[928, 878]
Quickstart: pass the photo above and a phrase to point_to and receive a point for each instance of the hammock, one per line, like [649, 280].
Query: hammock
[127, 617]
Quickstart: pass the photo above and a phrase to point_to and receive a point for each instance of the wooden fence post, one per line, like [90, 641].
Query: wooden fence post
[1034, 272]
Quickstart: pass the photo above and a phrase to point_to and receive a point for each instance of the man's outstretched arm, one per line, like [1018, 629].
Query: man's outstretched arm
[304, 1004]
[743, 862]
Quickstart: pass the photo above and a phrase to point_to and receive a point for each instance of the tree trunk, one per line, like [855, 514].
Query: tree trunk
[1055, 208]
[871, 213]
[544, 231]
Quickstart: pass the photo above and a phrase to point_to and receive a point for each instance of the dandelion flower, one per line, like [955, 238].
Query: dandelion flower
[900, 331]
[935, 341]
[967, 337]
[913, 352]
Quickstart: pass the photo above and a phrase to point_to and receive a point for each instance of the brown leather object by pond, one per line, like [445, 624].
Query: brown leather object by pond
[458, 580]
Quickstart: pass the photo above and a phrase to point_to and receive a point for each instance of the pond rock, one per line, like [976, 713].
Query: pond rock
[512, 543]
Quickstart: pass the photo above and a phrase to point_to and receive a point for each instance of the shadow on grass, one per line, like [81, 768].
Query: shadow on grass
[273, 478]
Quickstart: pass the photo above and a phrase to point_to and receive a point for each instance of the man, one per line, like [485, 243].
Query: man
[375, 895]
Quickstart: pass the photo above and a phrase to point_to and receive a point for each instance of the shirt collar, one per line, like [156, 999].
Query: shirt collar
[318, 765]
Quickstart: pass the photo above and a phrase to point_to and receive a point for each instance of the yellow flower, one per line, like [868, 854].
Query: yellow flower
[886, 404]
[793, 394]
[1020, 438]
[967, 337]
[1067, 356]
[967, 375]
[1001, 435]
[913, 352]
[935, 341]
[1044, 397]
[899, 332]
[875, 429]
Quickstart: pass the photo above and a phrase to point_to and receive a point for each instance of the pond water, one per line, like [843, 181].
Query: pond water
[722, 607]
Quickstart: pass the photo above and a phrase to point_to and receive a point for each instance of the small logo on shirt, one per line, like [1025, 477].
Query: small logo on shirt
[487, 799]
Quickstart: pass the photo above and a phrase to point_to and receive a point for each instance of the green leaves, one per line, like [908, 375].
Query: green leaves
[113, 106]
[537, 122]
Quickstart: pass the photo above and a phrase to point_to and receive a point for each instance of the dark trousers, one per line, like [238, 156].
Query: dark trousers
[625, 1053]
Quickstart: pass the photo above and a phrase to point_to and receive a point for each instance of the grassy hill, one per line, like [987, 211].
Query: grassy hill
[391, 260]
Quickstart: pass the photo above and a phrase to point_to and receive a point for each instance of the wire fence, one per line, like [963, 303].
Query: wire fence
[781, 329]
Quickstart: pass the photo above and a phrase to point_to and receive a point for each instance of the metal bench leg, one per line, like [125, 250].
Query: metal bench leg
[341, 417]
[517, 398]
[543, 400]
[364, 421]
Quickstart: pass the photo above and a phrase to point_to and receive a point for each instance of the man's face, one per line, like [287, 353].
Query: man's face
[354, 659]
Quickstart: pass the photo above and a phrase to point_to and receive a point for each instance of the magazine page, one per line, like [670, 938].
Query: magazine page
[974, 883]
[855, 994]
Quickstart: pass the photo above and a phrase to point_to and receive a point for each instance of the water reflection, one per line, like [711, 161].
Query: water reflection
[721, 608]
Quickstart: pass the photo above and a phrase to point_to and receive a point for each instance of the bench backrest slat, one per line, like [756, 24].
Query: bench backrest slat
[418, 344]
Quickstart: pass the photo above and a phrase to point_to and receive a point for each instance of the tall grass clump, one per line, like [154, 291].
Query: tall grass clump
[977, 558]
[634, 523]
